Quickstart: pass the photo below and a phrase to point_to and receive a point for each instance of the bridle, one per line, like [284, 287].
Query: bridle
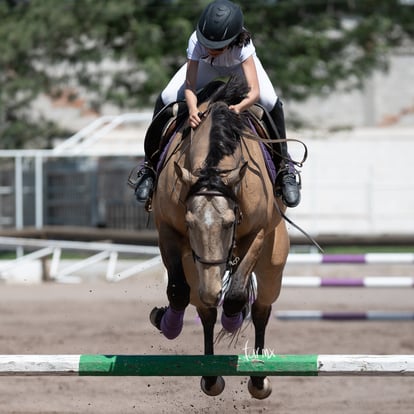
[230, 261]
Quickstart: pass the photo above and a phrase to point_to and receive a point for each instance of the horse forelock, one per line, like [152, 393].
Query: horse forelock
[210, 180]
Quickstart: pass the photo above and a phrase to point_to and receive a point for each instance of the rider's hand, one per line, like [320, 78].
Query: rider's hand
[194, 119]
[234, 108]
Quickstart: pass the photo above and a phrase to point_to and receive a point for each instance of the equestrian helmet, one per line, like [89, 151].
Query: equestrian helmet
[220, 23]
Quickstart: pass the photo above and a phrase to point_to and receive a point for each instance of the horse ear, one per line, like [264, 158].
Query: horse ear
[184, 175]
[243, 170]
[236, 175]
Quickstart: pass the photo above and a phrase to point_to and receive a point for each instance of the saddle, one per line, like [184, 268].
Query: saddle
[264, 126]
[263, 122]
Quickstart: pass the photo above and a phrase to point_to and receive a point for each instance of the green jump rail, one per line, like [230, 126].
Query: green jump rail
[206, 365]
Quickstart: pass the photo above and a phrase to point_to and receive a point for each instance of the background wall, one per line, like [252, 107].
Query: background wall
[386, 100]
[358, 180]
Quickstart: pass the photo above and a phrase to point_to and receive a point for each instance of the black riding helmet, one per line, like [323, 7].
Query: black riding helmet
[220, 23]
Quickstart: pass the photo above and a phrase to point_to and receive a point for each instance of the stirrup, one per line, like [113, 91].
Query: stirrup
[145, 187]
[133, 176]
[137, 172]
[287, 170]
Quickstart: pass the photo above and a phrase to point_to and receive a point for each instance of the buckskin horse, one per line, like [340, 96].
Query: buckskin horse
[216, 213]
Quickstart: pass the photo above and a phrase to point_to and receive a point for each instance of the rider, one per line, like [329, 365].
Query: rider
[221, 46]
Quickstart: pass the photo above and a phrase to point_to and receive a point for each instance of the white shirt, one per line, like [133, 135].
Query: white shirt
[230, 57]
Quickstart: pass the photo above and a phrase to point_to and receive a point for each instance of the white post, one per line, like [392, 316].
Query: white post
[110, 271]
[18, 191]
[18, 198]
[38, 191]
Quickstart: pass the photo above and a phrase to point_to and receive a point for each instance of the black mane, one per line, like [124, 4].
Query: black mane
[226, 129]
[227, 126]
[225, 133]
[232, 92]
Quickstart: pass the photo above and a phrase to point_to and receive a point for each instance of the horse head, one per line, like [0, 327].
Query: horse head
[212, 217]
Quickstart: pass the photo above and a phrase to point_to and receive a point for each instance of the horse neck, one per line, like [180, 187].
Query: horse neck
[200, 146]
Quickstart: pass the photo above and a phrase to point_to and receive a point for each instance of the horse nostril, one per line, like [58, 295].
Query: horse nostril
[210, 299]
[218, 299]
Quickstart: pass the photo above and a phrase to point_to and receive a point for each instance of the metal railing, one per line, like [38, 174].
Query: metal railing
[81, 144]
[99, 252]
[96, 130]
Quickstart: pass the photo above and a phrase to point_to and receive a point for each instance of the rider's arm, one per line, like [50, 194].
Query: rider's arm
[249, 70]
[190, 92]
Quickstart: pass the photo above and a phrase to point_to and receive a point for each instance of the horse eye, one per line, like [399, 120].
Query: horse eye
[227, 224]
[228, 221]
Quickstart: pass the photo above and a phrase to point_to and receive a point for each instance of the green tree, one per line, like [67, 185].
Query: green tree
[124, 51]
[313, 45]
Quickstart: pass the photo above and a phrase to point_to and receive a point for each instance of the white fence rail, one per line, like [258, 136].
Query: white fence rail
[81, 144]
[99, 252]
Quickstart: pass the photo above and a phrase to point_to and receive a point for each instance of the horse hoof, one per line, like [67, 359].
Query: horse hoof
[216, 389]
[260, 394]
[156, 316]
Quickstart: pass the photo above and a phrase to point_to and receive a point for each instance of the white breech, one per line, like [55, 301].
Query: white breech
[174, 91]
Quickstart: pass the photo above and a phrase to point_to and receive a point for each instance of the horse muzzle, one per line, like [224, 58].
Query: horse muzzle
[210, 299]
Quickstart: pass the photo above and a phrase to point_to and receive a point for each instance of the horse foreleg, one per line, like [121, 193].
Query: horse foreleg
[210, 385]
[269, 271]
[260, 387]
[169, 320]
[238, 294]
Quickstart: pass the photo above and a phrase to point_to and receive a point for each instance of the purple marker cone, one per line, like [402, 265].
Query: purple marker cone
[231, 323]
[172, 323]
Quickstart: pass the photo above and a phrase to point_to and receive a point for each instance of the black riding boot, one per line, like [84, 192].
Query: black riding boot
[145, 179]
[286, 176]
[145, 176]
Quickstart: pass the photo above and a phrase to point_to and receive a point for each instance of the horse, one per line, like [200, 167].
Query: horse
[216, 213]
